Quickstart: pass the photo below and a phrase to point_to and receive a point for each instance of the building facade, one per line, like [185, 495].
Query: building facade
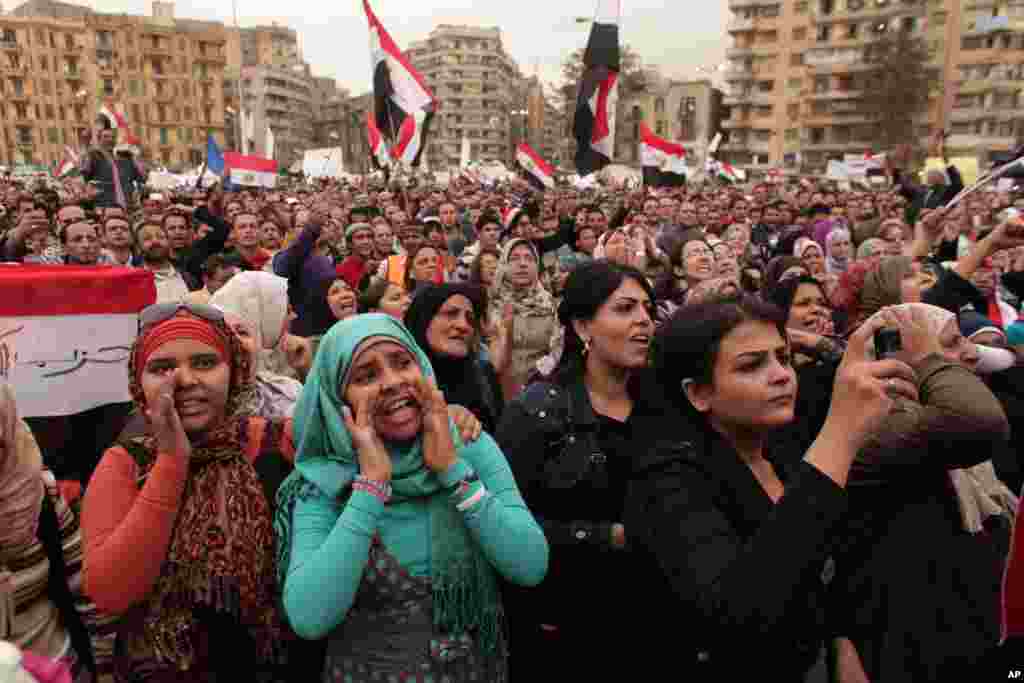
[796, 75]
[61, 63]
[477, 85]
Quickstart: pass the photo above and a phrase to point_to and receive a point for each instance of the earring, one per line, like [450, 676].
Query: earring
[586, 346]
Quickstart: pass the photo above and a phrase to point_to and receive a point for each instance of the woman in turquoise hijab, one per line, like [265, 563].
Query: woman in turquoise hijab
[392, 532]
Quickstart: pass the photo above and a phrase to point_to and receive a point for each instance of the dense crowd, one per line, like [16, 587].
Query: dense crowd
[480, 432]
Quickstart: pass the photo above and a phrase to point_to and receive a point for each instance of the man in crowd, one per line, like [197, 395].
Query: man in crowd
[116, 177]
[155, 252]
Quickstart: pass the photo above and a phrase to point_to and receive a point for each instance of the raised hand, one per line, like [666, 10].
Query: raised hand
[165, 421]
[438, 447]
[466, 422]
[374, 460]
[501, 343]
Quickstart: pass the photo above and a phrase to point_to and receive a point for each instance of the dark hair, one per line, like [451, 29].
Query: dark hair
[686, 345]
[371, 294]
[476, 271]
[486, 217]
[588, 287]
[410, 284]
[782, 294]
[213, 263]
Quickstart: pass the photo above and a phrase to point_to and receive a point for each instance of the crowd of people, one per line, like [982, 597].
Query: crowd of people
[479, 432]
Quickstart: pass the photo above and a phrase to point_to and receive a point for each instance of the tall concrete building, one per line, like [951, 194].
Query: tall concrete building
[60, 63]
[796, 76]
[478, 87]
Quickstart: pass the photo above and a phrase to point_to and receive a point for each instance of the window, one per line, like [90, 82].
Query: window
[793, 111]
[660, 128]
[792, 134]
[53, 136]
[133, 88]
[50, 112]
[132, 64]
[44, 64]
[108, 87]
[60, 113]
[164, 140]
[659, 106]
[800, 7]
[45, 87]
[794, 83]
[796, 60]
[19, 87]
[136, 116]
[9, 36]
[800, 33]
[852, 31]
[824, 33]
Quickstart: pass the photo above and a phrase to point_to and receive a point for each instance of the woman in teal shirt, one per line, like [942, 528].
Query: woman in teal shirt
[391, 530]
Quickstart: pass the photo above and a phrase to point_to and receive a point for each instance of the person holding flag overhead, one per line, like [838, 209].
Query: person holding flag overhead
[116, 175]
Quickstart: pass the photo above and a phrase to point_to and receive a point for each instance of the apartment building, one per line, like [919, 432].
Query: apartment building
[478, 88]
[60, 63]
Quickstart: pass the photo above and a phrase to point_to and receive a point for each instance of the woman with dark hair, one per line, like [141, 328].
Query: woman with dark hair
[446, 322]
[485, 267]
[568, 440]
[693, 261]
[382, 296]
[422, 265]
[731, 547]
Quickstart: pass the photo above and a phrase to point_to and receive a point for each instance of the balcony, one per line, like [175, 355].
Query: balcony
[969, 114]
[836, 95]
[738, 52]
[734, 99]
[150, 49]
[973, 141]
[210, 57]
[736, 124]
[869, 9]
[71, 49]
[10, 45]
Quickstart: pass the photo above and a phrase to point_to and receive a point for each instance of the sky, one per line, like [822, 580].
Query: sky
[680, 37]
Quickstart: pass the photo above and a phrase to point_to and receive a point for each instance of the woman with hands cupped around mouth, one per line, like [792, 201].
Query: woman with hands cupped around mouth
[732, 543]
[393, 531]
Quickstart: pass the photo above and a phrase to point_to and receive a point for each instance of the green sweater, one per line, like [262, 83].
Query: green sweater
[331, 540]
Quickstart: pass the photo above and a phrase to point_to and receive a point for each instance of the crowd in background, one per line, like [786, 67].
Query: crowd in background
[481, 432]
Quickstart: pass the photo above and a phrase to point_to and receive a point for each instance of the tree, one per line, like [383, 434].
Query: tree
[898, 87]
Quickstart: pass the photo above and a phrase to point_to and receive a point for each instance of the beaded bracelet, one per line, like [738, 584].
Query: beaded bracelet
[380, 489]
[472, 500]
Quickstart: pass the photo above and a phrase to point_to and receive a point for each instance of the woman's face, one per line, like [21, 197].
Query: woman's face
[271, 237]
[452, 329]
[698, 261]
[753, 385]
[813, 260]
[620, 333]
[809, 311]
[201, 390]
[424, 266]
[586, 241]
[384, 374]
[917, 280]
[394, 302]
[522, 266]
[955, 346]
[842, 248]
[341, 300]
[488, 267]
[892, 235]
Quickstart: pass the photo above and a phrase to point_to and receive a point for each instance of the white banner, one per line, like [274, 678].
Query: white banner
[62, 365]
[325, 162]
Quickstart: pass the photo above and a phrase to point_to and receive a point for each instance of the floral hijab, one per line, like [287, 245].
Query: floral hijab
[531, 301]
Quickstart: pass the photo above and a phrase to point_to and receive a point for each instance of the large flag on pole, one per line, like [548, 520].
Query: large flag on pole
[379, 152]
[403, 104]
[539, 172]
[663, 162]
[594, 124]
[251, 171]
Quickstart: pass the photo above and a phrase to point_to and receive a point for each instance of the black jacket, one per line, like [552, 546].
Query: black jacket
[734, 585]
[189, 262]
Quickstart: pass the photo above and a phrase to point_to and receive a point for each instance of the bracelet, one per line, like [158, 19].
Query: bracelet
[472, 500]
[462, 487]
[379, 489]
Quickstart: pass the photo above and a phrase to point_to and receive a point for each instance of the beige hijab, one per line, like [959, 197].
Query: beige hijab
[979, 491]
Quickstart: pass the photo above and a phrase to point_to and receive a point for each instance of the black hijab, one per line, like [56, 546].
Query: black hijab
[466, 381]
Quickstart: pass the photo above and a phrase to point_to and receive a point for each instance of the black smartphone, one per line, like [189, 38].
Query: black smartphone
[887, 343]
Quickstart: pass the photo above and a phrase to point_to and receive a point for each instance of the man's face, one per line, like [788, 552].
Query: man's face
[651, 208]
[362, 243]
[383, 239]
[587, 240]
[25, 206]
[597, 221]
[489, 235]
[117, 234]
[69, 215]
[447, 214]
[270, 236]
[411, 238]
[247, 231]
[178, 234]
[232, 210]
[153, 244]
[83, 245]
[665, 209]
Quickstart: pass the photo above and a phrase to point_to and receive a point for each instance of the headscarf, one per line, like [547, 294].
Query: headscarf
[802, 244]
[532, 301]
[21, 482]
[459, 378]
[216, 559]
[870, 247]
[464, 587]
[973, 323]
[979, 492]
[836, 264]
[882, 285]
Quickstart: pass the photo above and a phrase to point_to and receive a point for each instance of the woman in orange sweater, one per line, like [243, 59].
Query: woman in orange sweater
[177, 525]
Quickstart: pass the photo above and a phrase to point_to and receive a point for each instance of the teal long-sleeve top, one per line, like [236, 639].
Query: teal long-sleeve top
[331, 540]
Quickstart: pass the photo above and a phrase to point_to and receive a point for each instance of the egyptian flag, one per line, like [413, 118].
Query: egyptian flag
[69, 332]
[379, 153]
[70, 163]
[116, 120]
[403, 104]
[664, 162]
[538, 172]
[594, 124]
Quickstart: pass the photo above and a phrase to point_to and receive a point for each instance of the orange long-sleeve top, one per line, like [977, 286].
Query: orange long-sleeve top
[126, 530]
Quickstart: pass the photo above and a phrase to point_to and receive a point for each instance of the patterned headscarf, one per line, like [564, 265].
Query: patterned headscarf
[834, 263]
[532, 301]
[221, 553]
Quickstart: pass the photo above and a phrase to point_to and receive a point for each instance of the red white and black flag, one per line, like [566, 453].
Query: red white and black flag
[538, 172]
[594, 125]
[663, 162]
[403, 104]
[379, 154]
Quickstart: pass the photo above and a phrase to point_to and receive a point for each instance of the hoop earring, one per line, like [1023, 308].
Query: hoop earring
[586, 346]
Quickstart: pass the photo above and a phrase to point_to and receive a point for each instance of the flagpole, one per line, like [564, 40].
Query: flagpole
[238, 85]
[202, 172]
